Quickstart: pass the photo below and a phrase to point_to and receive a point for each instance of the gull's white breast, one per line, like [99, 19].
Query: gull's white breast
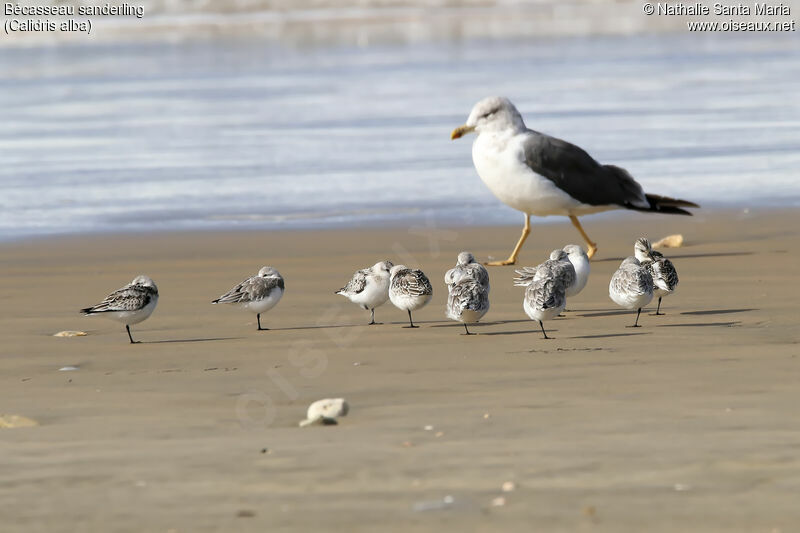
[500, 162]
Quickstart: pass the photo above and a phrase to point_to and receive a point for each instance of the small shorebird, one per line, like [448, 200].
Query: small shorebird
[130, 304]
[466, 266]
[545, 298]
[557, 267]
[631, 287]
[467, 301]
[369, 287]
[257, 294]
[580, 262]
[409, 290]
[665, 277]
[543, 176]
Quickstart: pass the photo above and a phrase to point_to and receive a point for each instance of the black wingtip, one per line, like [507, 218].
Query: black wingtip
[86, 311]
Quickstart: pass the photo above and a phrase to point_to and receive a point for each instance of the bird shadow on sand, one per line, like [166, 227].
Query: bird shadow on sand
[608, 313]
[607, 335]
[683, 256]
[701, 325]
[718, 311]
[168, 341]
[518, 332]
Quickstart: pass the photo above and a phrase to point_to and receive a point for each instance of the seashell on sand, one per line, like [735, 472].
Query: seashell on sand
[325, 411]
[70, 333]
[16, 421]
[670, 241]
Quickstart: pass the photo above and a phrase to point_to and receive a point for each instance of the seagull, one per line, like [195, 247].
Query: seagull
[541, 175]
[631, 287]
[130, 304]
[369, 287]
[466, 266]
[258, 294]
[467, 301]
[665, 277]
[409, 290]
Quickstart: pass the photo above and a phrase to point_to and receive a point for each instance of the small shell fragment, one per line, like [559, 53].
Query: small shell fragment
[325, 411]
[509, 486]
[16, 421]
[70, 333]
[670, 241]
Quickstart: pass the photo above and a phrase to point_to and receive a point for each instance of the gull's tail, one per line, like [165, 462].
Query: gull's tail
[666, 205]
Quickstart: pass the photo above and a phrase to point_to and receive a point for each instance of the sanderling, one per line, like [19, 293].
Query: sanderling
[558, 266]
[130, 305]
[258, 294]
[467, 301]
[545, 298]
[665, 277]
[580, 262]
[409, 290]
[369, 287]
[466, 266]
[631, 286]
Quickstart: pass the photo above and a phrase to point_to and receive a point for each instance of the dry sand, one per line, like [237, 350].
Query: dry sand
[689, 423]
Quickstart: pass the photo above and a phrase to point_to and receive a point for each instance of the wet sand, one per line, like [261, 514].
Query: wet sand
[687, 424]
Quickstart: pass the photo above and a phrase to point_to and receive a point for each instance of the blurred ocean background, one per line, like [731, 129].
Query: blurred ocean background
[309, 114]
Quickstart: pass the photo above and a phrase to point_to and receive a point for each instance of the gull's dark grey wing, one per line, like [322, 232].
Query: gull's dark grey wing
[579, 175]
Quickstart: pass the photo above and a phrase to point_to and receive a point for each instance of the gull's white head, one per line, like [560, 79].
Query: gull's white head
[491, 114]
[383, 267]
[268, 272]
[465, 258]
[144, 281]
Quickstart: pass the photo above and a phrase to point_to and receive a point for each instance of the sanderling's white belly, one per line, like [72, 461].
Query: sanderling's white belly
[631, 300]
[130, 318]
[265, 304]
[373, 295]
[408, 302]
[541, 314]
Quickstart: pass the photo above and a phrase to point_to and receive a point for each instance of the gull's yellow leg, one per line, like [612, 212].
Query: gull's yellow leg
[592, 245]
[513, 258]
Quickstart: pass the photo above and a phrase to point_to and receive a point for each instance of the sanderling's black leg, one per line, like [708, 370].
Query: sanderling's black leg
[128, 329]
[467, 330]
[410, 321]
[543, 331]
[659, 306]
[373, 317]
[636, 324]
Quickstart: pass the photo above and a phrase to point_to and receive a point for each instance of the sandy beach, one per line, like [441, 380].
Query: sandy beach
[689, 423]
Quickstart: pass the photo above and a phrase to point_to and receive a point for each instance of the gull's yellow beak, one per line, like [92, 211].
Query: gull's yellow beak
[461, 131]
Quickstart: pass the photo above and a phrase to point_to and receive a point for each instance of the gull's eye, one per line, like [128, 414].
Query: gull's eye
[489, 113]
